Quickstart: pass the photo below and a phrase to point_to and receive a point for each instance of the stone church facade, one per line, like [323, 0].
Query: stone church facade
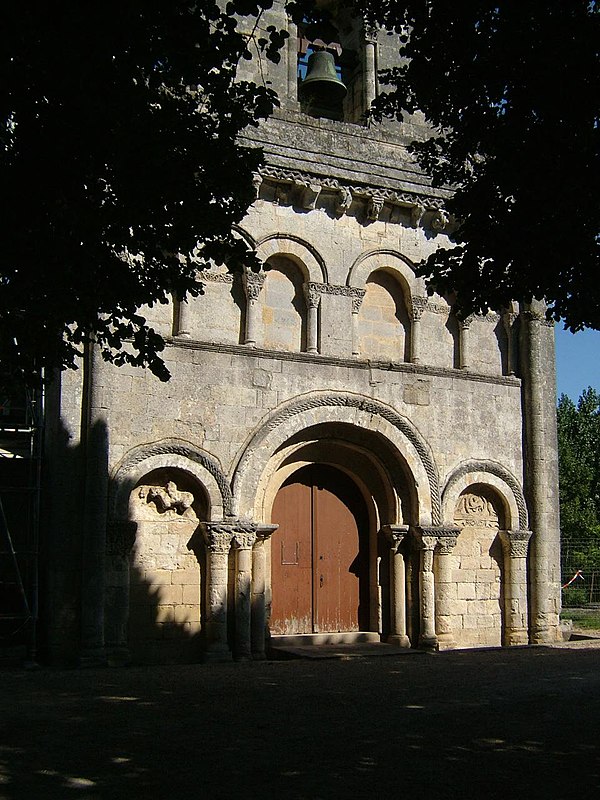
[336, 455]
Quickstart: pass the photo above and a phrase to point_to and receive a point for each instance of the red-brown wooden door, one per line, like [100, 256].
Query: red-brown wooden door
[319, 561]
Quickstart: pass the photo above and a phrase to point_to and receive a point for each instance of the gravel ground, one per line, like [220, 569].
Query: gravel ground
[523, 723]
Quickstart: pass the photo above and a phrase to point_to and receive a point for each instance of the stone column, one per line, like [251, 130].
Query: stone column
[244, 538]
[445, 587]
[292, 61]
[259, 588]
[417, 307]
[508, 319]
[427, 545]
[218, 538]
[396, 535]
[541, 473]
[95, 503]
[184, 321]
[370, 74]
[357, 298]
[464, 355]
[313, 298]
[253, 283]
[514, 547]
[120, 537]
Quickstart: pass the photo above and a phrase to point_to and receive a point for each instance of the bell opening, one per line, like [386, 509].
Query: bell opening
[322, 91]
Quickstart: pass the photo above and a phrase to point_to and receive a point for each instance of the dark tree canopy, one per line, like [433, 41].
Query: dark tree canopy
[118, 157]
[510, 90]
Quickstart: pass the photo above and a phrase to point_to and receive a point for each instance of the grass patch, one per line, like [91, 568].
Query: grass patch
[587, 619]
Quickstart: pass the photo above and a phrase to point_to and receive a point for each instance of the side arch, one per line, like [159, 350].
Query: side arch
[169, 453]
[495, 475]
[298, 249]
[391, 261]
[372, 416]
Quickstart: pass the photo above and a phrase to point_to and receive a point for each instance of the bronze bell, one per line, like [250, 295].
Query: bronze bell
[322, 83]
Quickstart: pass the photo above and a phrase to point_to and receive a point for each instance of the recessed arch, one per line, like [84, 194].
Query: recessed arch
[383, 426]
[298, 250]
[494, 475]
[163, 454]
[389, 261]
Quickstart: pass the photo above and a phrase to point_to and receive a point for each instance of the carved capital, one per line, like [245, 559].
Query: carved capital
[375, 207]
[442, 536]
[312, 293]
[120, 537]
[253, 283]
[370, 34]
[417, 307]
[465, 323]
[217, 536]
[264, 532]
[395, 534]
[515, 543]
[244, 539]
[357, 300]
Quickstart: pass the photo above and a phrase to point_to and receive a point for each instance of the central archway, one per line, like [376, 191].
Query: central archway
[319, 554]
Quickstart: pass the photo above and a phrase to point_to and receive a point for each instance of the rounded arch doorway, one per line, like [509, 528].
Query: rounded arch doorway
[319, 554]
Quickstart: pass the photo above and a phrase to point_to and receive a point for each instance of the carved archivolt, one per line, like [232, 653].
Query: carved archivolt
[288, 245]
[511, 490]
[350, 401]
[166, 453]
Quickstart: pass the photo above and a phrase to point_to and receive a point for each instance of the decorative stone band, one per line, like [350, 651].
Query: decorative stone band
[120, 536]
[443, 537]
[221, 535]
[395, 534]
[205, 275]
[515, 543]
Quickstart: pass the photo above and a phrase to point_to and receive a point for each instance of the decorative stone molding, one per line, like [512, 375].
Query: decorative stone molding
[443, 537]
[375, 207]
[120, 537]
[206, 276]
[516, 543]
[253, 284]
[417, 307]
[439, 308]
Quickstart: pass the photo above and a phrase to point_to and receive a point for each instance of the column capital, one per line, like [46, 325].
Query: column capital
[418, 305]
[515, 543]
[253, 283]
[264, 531]
[395, 534]
[443, 535]
[217, 536]
[312, 293]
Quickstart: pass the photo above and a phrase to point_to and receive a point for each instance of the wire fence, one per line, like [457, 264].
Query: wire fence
[580, 571]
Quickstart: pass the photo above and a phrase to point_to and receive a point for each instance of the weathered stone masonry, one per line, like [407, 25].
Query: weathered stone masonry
[330, 367]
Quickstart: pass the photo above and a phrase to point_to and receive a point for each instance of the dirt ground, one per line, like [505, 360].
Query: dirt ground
[520, 723]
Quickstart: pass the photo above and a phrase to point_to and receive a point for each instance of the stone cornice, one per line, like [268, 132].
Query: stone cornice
[351, 363]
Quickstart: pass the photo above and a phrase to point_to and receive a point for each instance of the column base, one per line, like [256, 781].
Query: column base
[398, 640]
[428, 643]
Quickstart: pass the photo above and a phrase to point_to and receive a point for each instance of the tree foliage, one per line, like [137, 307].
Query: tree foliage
[579, 468]
[118, 158]
[510, 91]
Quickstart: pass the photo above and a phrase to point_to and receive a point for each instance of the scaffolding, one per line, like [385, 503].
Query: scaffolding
[21, 420]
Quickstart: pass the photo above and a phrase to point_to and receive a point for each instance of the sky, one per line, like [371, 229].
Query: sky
[577, 362]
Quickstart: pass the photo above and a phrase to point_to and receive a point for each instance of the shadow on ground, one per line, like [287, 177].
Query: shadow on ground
[524, 723]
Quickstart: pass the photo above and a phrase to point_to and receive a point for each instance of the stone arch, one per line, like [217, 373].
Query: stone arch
[169, 453]
[283, 305]
[494, 475]
[378, 419]
[244, 236]
[383, 321]
[304, 254]
[388, 261]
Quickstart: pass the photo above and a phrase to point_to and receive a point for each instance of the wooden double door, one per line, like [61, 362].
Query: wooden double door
[319, 554]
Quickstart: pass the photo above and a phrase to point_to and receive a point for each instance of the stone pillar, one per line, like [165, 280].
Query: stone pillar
[119, 541]
[445, 587]
[292, 62]
[418, 306]
[370, 73]
[514, 547]
[218, 538]
[259, 589]
[253, 283]
[427, 545]
[464, 355]
[313, 298]
[94, 515]
[184, 321]
[244, 538]
[541, 473]
[508, 319]
[396, 535]
[357, 298]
